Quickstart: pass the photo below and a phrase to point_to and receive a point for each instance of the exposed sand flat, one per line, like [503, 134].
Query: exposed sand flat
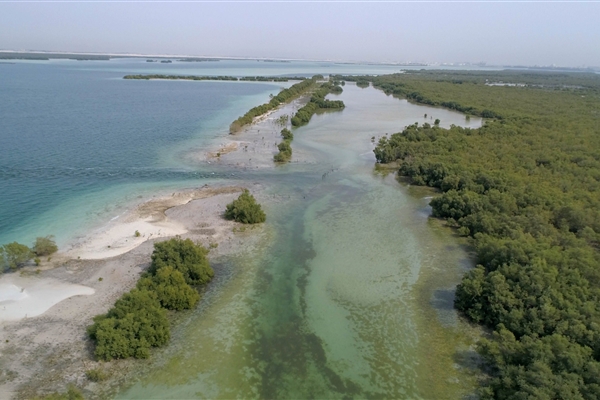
[225, 148]
[43, 353]
[255, 145]
[30, 296]
[148, 219]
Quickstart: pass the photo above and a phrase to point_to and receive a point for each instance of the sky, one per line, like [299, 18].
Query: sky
[499, 33]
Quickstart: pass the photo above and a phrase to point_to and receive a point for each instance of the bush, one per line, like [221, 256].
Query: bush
[72, 394]
[95, 375]
[171, 289]
[287, 134]
[184, 256]
[138, 321]
[14, 255]
[285, 152]
[129, 329]
[44, 246]
[245, 209]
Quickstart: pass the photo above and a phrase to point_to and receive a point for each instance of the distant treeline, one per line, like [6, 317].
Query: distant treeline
[272, 78]
[285, 96]
[318, 102]
[48, 56]
[182, 77]
[216, 78]
[525, 188]
[198, 59]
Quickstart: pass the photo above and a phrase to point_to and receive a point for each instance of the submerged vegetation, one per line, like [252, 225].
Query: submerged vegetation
[245, 209]
[525, 188]
[138, 321]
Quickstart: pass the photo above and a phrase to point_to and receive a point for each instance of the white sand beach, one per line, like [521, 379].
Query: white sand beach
[30, 296]
[44, 311]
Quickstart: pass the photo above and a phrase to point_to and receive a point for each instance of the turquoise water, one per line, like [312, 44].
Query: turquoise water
[349, 294]
[331, 305]
[79, 143]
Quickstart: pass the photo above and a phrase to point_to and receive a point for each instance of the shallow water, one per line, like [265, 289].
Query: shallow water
[339, 301]
[80, 144]
[350, 292]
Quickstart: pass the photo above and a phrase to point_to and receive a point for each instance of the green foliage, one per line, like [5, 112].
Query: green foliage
[283, 120]
[138, 321]
[171, 289]
[285, 152]
[285, 96]
[245, 209]
[96, 375]
[336, 89]
[318, 102]
[72, 394]
[13, 255]
[137, 234]
[525, 188]
[216, 78]
[182, 77]
[134, 325]
[184, 256]
[44, 246]
[287, 134]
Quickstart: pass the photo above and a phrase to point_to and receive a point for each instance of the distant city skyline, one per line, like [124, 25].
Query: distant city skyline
[497, 33]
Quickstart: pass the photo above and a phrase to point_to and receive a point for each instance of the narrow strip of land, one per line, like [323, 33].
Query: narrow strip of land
[216, 78]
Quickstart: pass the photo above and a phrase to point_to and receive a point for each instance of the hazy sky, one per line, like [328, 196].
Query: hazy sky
[566, 33]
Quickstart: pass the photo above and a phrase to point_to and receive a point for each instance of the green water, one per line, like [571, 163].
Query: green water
[347, 294]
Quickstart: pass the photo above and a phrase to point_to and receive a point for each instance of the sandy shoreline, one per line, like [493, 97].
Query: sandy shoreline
[40, 354]
[255, 145]
[48, 349]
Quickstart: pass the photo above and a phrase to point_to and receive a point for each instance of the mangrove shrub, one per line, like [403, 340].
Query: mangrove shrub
[171, 289]
[524, 188]
[14, 255]
[134, 325]
[245, 209]
[44, 246]
[184, 256]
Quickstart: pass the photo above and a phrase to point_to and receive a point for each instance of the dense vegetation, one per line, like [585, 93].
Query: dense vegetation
[245, 209]
[272, 78]
[285, 148]
[525, 188]
[217, 78]
[285, 96]
[72, 393]
[14, 255]
[318, 102]
[138, 321]
[44, 246]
